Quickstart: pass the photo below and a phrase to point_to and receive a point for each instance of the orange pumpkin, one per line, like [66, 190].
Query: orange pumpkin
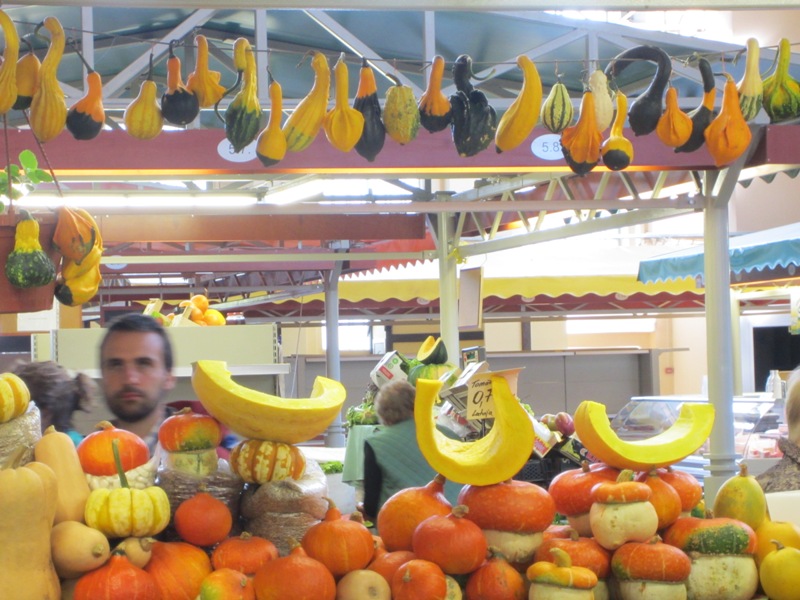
[296, 576]
[451, 541]
[689, 489]
[203, 520]
[261, 461]
[418, 579]
[571, 492]
[583, 552]
[178, 569]
[403, 511]
[386, 563]
[663, 497]
[245, 553]
[187, 430]
[229, 584]
[341, 544]
[96, 455]
[496, 578]
[650, 561]
[719, 535]
[117, 579]
[621, 512]
[519, 506]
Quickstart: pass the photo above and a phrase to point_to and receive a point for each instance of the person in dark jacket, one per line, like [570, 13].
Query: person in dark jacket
[785, 475]
[392, 458]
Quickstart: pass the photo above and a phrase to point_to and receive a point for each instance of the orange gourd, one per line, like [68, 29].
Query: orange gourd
[203, 520]
[245, 553]
[621, 512]
[178, 569]
[406, 509]
[341, 544]
[118, 579]
[571, 491]
[419, 579]
[650, 561]
[296, 576]
[583, 552]
[451, 541]
[674, 126]
[581, 142]
[495, 579]
[179, 105]
[435, 111]
[728, 135]
[86, 117]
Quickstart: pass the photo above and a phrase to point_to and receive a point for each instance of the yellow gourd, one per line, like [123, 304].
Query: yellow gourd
[435, 112]
[741, 497]
[143, 117]
[728, 135]
[780, 573]
[617, 150]
[560, 579]
[8, 70]
[202, 81]
[521, 117]
[271, 143]
[343, 124]
[14, 397]
[49, 108]
[27, 75]
[303, 125]
[27, 509]
[57, 450]
[674, 126]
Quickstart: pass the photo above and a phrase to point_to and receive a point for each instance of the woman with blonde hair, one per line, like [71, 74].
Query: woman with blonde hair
[786, 474]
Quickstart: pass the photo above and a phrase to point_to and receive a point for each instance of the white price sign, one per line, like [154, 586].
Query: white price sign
[225, 150]
[480, 404]
[547, 147]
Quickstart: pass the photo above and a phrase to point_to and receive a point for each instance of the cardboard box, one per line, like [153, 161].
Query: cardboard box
[545, 439]
[574, 450]
[389, 368]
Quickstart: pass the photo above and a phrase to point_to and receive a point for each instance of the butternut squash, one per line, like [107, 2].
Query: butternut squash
[57, 451]
[27, 509]
[77, 548]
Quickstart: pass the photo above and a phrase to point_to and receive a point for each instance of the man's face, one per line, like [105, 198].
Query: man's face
[134, 376]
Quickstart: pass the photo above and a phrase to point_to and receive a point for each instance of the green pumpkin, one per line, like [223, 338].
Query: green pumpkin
[433, 372]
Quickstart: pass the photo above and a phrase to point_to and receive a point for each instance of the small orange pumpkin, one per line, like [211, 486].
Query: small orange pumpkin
[386, 563]
[402, 512]
[621, 512]
[96, 454]
[178, 569]
[227, 583]
[548, 579]
[187, 430]
[341, 544]
[296, 576]
[651, 561]
[583, 552]
[118, 579]
[203, 520]
[689, 489]
[664, 498]
[419, 579]
[245, 553]
[571, 491]
[496, 578]
[451, 541]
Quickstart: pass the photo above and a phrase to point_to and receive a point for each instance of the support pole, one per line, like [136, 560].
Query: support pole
[448, 286]
[334, 436]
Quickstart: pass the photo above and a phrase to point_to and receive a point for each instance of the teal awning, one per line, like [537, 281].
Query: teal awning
[773, 253]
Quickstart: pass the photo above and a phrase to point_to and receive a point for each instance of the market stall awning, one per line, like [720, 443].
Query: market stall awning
[768, 254]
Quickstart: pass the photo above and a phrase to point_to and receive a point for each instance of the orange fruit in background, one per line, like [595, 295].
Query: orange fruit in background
[213, 317]
[196, 314]
[200, 301]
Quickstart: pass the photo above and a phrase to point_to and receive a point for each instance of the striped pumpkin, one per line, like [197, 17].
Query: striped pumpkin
[260, 461]
[14, 397]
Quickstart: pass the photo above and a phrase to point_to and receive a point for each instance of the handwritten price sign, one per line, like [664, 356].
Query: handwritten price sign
[480, 404]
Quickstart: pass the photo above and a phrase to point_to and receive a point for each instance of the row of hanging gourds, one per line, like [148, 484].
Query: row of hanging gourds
[27, 83]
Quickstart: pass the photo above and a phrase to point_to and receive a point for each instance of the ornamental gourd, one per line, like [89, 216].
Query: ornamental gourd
[704, 113]
[343, 124]
[48, 113]
[27, 75]
[580, 143]
[520, 118]
[366, 102]
[557, 110]
[560, 580]
[243, 114]
[781, 92]
[728, 135]
[143, 117]
[271, 143]
[261, 461]
[621, 512]
[741, 497]
[785, 532]
[474, 120]
[179, 105]
[751, 86]
[85, 118]
[76, 233]
[435, 112]
[400, 112]
[303, 125]
[28, 265]
[603, 99]
[780, 573]
[674, 126]
[651, 569]
[571, 491]
[14, 397]
[203, 82]
[583, 552]
[8, 70]
[617, 150]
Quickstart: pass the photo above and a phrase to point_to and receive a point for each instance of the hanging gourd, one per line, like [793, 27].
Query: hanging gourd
[519, 120]
[400, 112]
[28, 265]
[27, 75]
[751, 86]
[580, 143]
[617, 150]
[435, 112]
[474, 120]
[86, 117]
[48, 107]
[343, 124]
[646, 110]
[243, 115]
[178, 104]
[781, 90]
[674, 126]
[703, 114]
[373, 135]
[8, 70]
[203, 82]
[271, 143]
[557, 110]
[728, 135]
[603, 99]
[143, 118]
[303, 125]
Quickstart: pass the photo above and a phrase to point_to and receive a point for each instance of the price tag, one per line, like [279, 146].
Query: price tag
[547, 147]
[225, 150]
[480, 404]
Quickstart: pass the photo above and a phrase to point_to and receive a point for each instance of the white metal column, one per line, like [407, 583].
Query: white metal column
[448, 286]
[334, 436]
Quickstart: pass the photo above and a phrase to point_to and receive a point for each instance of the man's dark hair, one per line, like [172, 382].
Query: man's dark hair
[141, 323]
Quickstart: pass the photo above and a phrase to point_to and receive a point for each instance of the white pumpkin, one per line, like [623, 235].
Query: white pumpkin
[722, 577]
[363, 584]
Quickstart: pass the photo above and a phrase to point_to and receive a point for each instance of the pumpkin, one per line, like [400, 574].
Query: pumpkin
[583, 552]
[435, 112]
[77, 548]
[245, 553]
[386, 563]
[650, 569]
[404, 510]
[57, 450]
[178, 569]
[663, 497]
[780, 572]
[769, 532]
[28, 507]
[621, 512]
[496, 579]
[512, 514]
[97, 455]
[260, 461]
[341, 544]
[179, 105]
[188, 430]
[451, 541]
[363, 584]
[741, 497]
[571, 492]
[728, 135]
[228, 584]
[419, 579]
[296, 576]
[560, 579]
[689, 489]
[14, 397]
[203, 520]
[118, 579]
[123, 511]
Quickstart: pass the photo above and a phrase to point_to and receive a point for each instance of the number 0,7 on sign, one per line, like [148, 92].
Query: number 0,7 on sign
[480, 404]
